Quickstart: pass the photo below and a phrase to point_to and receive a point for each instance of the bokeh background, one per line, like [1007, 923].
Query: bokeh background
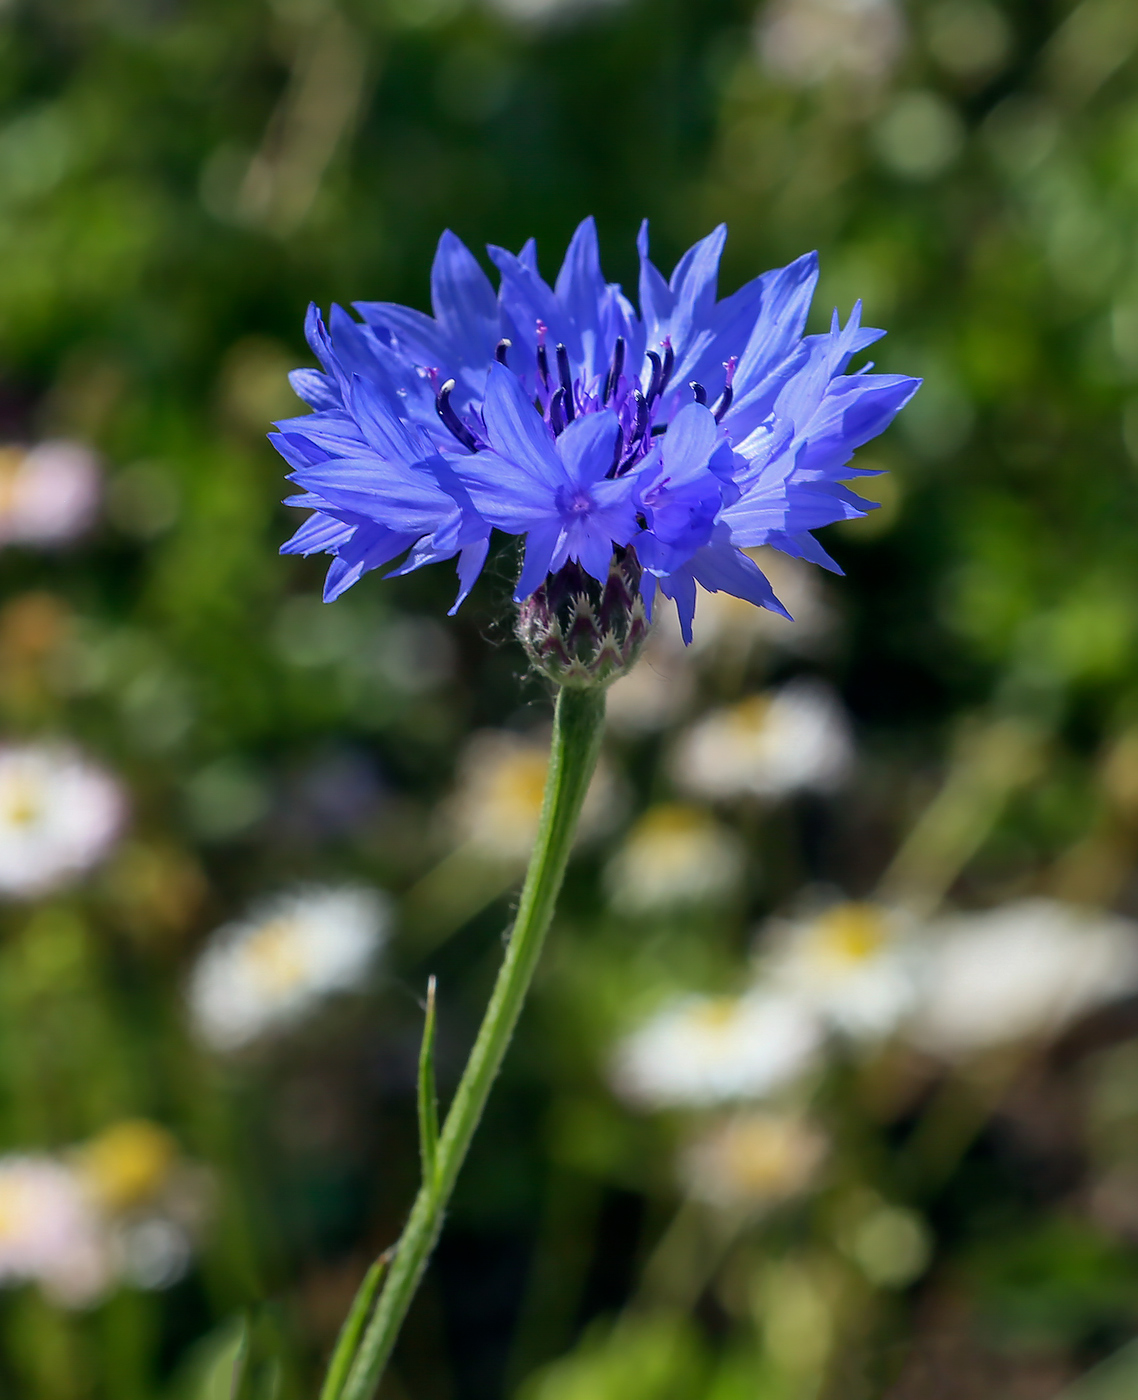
[914, 812]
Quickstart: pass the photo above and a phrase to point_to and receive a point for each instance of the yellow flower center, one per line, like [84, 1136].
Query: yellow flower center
[715, 1013]
[517, 787]
[749, 717]
[21, 803]
[670, 819]
[128, 1163]
[11, 459]
[761, 1157]
[13, 1208]
[274, 956]
[850, 933]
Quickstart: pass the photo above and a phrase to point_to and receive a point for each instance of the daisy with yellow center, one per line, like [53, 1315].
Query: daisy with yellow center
[51, 1233]
[48, 493]
[753, 1161]
[269, 970]
[497, 803]
[790, 740]
[675, 854]
[705, 1050]
[852, 963]
[59, 815]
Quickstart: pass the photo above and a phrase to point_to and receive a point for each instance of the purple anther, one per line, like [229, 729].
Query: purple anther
[557, 412]
[656, 382]
[542, 354]
[501, 349]
[642, 412]
[615, 369]
[451, 419]
[617, 453]
[566, 382]
[669, 362]
[728, 390]
[699, 391]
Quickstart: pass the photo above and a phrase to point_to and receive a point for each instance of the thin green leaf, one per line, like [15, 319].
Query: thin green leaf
[240, 1384]
[352, 1330]
[428, 1096]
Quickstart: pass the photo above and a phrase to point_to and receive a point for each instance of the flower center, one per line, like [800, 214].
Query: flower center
[560, 397]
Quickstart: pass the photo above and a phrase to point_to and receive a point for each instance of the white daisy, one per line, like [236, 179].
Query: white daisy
[497, 803]
[269, 970]
[753, 1160]
[48, 493]
[809, 41]
[1019, 972]
[51, 1233]
[59, 815]
[851, 962]
[793, 739]
[675, 854]
[705, 1050]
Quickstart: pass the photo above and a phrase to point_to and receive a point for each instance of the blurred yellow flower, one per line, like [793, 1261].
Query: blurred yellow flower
[497, 802]
[852, 963]
[753, 1160]
[674, 854]
[128, 1163]
[768, 745]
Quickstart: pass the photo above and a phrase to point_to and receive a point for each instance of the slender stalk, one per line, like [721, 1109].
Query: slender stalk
[577, 727]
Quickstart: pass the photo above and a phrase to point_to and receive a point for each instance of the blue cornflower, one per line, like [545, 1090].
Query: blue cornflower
[674, 438]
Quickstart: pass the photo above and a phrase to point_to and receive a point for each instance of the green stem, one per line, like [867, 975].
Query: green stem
[577, 727]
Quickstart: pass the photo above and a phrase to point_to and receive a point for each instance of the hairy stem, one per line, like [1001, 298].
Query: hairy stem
[577, 727]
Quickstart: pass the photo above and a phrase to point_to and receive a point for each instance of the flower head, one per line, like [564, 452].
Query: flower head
[496, 805]
[768, 745]
[59, 815]
[1019, 972]
[48, 493]
[674, 855]
[851, 962]
[685, 432]
[753, 1161]
[269, 970]
[705, 1050]
[51, 1231]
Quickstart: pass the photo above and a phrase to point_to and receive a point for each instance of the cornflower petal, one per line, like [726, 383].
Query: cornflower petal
[586, 447]
[515, 429]
[464, 302]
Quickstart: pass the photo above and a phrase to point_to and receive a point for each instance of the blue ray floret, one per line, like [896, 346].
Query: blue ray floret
[679, 436]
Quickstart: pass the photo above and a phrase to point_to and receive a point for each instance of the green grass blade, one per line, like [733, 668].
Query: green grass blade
[352, 1330]
[428, 1096]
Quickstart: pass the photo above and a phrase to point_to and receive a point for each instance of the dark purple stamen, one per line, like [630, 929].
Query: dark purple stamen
[543, 365]
[452, 420]
[500, 350]
[656, 382]
[617, 451]
[566, 382]
[699, 391]
[669, 364]
[724, 403]
[557, 412]
[642, 409]
[615, 371]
